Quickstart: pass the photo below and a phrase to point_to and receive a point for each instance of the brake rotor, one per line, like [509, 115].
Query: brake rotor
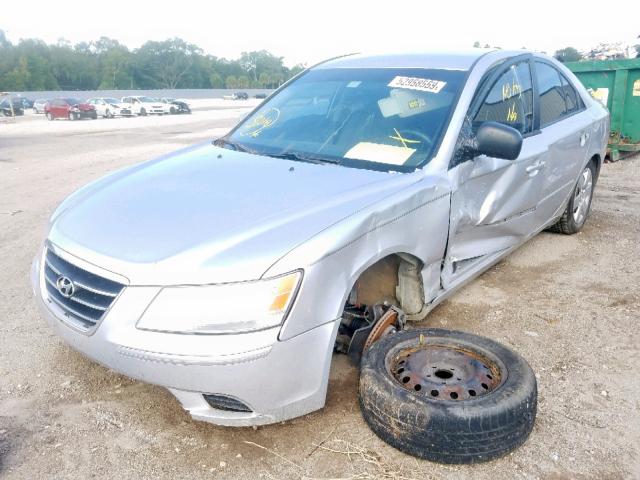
[444, 372]
[387, 324]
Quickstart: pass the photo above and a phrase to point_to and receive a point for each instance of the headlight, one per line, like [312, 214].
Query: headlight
[227, 308]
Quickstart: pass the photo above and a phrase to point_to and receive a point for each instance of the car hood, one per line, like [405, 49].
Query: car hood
[210, 215]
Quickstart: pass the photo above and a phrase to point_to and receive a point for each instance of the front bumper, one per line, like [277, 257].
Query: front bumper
[277, 380]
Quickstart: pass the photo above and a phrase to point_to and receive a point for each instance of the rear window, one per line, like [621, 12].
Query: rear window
[558, 98]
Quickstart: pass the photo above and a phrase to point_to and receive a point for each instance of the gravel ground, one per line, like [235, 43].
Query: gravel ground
[569, 305]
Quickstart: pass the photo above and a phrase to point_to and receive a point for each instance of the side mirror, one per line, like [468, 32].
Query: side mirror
[498, 140]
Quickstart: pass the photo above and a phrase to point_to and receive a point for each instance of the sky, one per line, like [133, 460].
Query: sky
[308, 32]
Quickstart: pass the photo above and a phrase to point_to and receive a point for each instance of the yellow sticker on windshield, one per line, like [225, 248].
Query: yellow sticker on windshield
[415, 83]
[416, 103]
[262, 121]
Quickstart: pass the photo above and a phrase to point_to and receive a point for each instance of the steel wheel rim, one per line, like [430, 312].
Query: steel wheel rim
[582, 196]
[445, 373]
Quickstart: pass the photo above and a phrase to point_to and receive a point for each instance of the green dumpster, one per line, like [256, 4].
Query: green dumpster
[616, 83]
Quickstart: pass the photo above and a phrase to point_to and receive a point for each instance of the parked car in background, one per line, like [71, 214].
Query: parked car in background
[24, 101]
[236, 96]
[110, 107]
[142, 105]
[260, 95]
[178, 106]
[227, 272]
[70, 108]
[168, 107]
[7, 103]
[38, 105]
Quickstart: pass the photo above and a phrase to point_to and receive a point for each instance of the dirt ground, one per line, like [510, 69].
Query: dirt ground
[569, 305]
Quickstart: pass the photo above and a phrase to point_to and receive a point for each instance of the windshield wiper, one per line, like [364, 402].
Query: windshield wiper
[223, 142]
[304, 157]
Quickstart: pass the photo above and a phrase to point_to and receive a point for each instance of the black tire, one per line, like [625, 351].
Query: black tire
[173, 110]
[49, 116]
[72, 116]
[143, 112]
[568, 224]
[471, 430]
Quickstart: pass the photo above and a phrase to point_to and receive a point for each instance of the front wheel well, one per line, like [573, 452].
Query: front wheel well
[395, 279]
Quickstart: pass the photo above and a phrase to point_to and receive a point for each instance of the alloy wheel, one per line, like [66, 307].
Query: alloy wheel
[582, 196]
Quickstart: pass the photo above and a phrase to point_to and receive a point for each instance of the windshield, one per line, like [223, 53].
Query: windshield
[112, 101]
[379, 118]
[72, 101]
[145, 99]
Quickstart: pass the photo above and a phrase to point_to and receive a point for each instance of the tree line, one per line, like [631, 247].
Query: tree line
[106, 64]
[571, 54]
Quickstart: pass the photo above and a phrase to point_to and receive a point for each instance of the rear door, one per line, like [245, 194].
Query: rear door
[564, 125]
[494, 201]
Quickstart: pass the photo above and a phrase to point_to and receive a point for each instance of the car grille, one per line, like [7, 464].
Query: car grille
[88, 298]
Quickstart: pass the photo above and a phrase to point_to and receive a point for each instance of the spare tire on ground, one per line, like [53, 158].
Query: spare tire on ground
[447, 396]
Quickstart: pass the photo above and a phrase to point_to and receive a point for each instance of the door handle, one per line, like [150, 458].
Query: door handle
[535, 167]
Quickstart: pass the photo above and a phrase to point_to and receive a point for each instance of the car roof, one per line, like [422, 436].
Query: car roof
[447, 60]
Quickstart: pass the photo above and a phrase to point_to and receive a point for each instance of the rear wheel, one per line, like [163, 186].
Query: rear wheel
[579, 205]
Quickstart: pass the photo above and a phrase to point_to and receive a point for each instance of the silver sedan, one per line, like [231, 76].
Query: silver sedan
[223, 271]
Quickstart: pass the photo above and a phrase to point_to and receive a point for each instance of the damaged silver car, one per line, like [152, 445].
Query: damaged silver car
[228, 272]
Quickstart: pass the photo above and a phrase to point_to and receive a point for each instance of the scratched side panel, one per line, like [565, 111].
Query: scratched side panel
[413, 221]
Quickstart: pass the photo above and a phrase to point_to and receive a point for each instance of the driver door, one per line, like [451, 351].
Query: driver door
[494, 201]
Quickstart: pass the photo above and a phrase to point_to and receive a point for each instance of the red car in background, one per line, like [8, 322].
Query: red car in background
[70, 108]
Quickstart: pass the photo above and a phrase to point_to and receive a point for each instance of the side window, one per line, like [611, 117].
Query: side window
[572, 99]
[510, 100]
[558, 98]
